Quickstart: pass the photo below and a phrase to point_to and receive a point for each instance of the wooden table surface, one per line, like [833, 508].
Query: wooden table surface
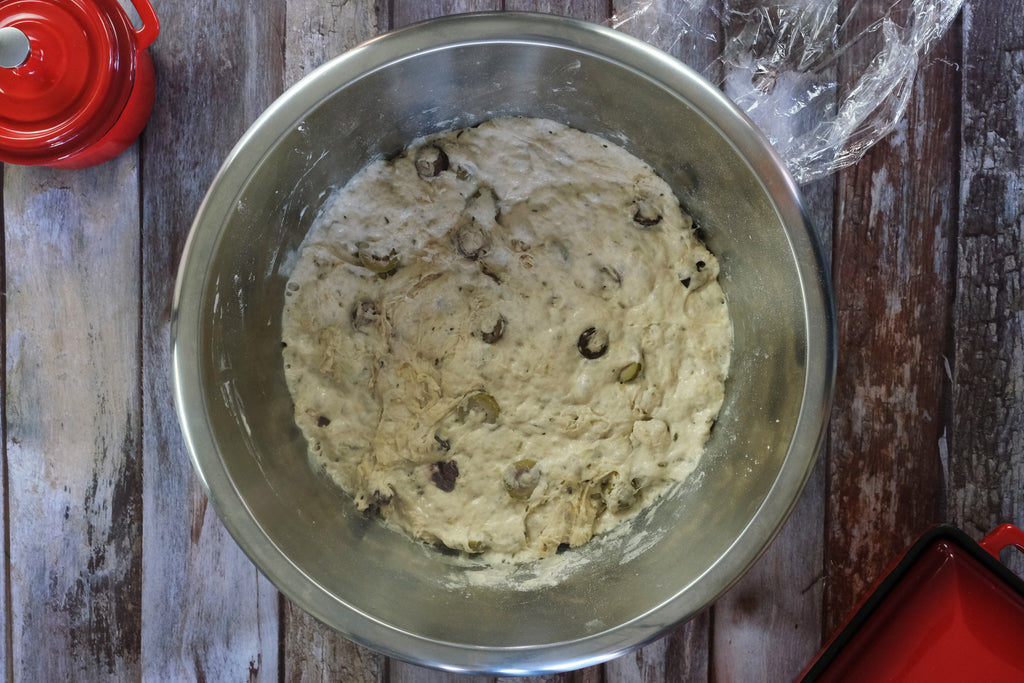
[116, 568]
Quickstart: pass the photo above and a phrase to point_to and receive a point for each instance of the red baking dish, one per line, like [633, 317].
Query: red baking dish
[947, 611]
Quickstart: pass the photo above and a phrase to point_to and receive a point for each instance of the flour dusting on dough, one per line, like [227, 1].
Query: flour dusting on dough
[506, 340]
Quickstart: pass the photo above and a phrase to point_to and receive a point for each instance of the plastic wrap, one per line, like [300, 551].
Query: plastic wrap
[824, 79]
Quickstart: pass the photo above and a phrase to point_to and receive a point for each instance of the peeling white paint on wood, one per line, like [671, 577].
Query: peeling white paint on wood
[72, 429]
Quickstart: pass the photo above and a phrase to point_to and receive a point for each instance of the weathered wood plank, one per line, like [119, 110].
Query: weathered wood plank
[764, 628]
[685, 30]
[315, 32]
[6, 662]
[405, 12]
[72, 411]
[585, 10]
[986, 456]
[894, 229]
[671, 26]
[313, 652]
[404, 672]
[590, 674]
[769, 625]
[207, 613]
[683, 655]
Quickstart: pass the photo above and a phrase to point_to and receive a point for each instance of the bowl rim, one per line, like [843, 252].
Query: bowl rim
[445, 33]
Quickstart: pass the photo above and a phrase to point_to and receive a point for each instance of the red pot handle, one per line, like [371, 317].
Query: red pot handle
[145, 36]
[1001, 537]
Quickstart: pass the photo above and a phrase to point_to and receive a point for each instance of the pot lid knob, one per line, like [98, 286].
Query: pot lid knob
[14, 47]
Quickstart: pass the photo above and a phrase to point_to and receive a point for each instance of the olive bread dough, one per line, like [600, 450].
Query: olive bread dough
[507, 339]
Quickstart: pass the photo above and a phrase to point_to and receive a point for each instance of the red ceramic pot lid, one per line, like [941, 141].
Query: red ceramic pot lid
[74, 84]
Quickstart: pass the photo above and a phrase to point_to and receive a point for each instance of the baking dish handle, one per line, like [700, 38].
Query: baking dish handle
[1003, 536]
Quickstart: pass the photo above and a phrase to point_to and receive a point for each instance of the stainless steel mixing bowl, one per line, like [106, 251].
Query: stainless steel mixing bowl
[373, 584]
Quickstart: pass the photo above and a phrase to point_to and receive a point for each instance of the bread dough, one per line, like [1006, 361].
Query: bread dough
[507, 339]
